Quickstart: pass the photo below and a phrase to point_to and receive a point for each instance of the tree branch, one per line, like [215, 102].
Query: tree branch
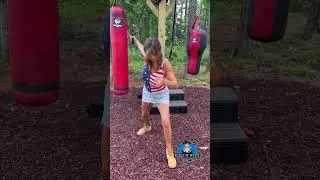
[153, 8]
[168, 9]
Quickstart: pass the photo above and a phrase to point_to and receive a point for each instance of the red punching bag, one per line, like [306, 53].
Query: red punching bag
[33, 28]
[119, 46]
[197, 43]
[267, 19]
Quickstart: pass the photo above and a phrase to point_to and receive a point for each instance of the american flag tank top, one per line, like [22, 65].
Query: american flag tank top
[150, 79]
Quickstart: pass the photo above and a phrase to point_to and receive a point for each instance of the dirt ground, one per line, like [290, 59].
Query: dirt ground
[135, 157]
[285, 118]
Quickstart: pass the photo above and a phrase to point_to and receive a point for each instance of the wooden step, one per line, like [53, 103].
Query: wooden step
[228, 144]
[176, 107]
[223, 105]
[175, 94]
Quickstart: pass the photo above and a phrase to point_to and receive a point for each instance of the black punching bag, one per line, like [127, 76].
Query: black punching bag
[267, 19]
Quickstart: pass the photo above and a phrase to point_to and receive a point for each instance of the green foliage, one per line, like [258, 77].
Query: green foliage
[135, 61]
[178, 61]
[225, 9]
[295, 5]
[290, 55]
[83, 19]
[80, 18]
[300, 5]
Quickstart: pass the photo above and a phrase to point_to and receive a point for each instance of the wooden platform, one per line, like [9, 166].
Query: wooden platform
[177, 102]
[176, 107]
[223, 105]
[228, 144]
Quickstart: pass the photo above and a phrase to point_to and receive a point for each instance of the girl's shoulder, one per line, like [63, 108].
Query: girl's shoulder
[165, 63]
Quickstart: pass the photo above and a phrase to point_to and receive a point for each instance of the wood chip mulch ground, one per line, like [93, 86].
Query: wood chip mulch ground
[56, 141]
[61, 141]
[136, 157]
[285, 117]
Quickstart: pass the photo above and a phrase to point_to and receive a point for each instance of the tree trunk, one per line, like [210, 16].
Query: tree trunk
[208, 66]
[208, 22]
[312, 29]
[4, 31]
[244, 44]
[181, 4]
[214, 74]
[186, 14]
[192, 11]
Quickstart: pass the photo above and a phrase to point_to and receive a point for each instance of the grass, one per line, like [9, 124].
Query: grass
[290, 56]
[81, 18]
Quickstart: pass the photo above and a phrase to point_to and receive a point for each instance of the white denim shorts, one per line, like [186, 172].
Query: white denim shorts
[156, 98]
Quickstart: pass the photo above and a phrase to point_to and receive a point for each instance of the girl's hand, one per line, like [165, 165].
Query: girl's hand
[160, 81]
[132, 39]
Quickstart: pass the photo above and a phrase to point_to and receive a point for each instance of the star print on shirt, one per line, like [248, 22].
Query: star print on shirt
[146, 77]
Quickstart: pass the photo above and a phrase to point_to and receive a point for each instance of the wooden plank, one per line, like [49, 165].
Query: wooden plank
[175, 94]
[228, 144]
[175, 108]
[226, 132]
[223, 94]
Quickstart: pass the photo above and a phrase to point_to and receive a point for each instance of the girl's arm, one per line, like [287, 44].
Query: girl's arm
[171, 80]
[139, 45]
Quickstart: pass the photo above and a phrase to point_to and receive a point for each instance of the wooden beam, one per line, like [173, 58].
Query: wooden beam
[152, 8]
[161, 13]
[162, 25]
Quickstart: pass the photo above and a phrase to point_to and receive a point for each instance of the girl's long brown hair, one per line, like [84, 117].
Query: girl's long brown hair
[152, 47]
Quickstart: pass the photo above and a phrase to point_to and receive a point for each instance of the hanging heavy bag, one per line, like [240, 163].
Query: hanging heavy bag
[267, 19]
[33, 27]
[197, 43]
[119, 44]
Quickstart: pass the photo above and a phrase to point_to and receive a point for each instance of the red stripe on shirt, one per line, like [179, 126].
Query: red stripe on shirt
[153, 77]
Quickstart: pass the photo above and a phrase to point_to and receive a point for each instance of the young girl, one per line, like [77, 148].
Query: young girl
[158, 76]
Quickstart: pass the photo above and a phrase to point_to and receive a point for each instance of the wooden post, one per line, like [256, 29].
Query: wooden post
[161, 13]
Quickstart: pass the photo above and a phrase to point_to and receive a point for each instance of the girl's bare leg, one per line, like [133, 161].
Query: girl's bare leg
[167, 131]
[145, 108]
